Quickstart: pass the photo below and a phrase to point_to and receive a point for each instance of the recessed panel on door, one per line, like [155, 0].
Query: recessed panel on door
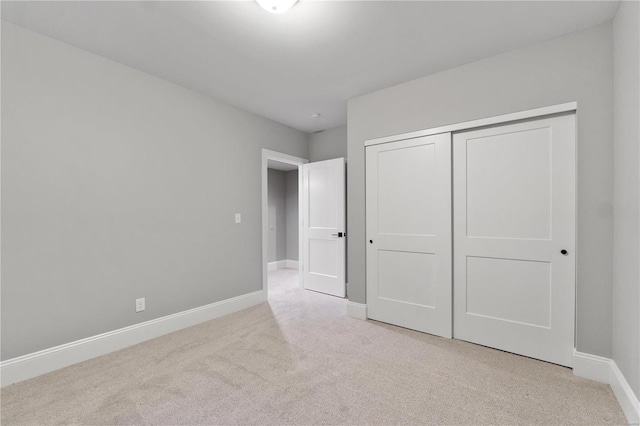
[509, 185]
[409, 233]
[401, 174]
[514, 237]
[321, 190]
[322, 257]
[407, 277]
[491, 281]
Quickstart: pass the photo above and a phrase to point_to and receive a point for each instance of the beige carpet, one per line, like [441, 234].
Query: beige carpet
[300, 360]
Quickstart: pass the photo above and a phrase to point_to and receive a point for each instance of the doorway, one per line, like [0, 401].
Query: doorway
[282, 168]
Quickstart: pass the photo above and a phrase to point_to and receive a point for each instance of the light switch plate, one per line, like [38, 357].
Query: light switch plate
[238, 218]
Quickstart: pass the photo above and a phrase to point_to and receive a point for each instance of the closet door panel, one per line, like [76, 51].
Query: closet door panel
[514, 237]
[409, 233]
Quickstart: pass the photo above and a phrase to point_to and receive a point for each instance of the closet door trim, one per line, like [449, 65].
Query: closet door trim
[488, 121]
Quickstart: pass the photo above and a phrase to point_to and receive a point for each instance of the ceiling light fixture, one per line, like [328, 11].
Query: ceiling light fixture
[315, 115]
[276, 6]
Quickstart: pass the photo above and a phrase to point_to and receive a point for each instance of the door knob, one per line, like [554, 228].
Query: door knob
[339, 234]
[564, 252]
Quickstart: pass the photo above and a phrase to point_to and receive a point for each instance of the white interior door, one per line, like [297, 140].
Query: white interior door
[514, 237]
[409, 233]
[323, 224]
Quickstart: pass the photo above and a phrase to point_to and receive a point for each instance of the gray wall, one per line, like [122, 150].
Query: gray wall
[626, 237]
[277, 201]
[576, 67]
[328, 144]
[118, 185]
[292, 214]
[283, 215]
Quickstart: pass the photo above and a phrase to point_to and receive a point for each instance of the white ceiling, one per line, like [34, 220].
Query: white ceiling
[311, 59]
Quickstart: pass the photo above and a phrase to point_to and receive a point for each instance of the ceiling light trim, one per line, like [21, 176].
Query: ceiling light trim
[276, 6]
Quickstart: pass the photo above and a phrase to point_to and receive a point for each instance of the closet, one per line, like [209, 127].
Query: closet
[471, 235]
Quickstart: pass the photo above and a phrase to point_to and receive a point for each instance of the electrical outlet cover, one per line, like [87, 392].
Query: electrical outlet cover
[140, 305]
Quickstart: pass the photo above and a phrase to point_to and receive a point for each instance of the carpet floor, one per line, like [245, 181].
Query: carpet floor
[299, 359]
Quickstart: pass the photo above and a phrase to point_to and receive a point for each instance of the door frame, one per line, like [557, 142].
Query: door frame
[294, 161]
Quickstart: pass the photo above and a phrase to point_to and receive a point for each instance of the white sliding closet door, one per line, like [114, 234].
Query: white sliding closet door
[514, 237]
[409, 233]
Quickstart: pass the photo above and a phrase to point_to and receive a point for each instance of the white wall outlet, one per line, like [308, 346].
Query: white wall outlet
[238, 218]
[140, 305]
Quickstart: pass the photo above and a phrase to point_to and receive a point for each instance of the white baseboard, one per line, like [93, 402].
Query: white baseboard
[279, 264]
[623, 392]
[357, 310]
[592, 367]
[605, 370]
[41, 362]
[282, 264]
